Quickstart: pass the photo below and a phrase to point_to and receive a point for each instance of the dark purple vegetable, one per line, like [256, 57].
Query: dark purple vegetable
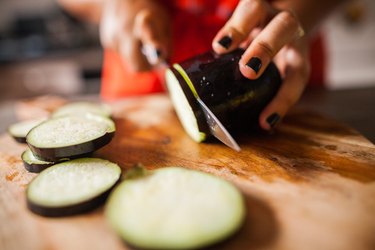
[72, 187]
[71, 151]
[33, 164]
[234, 99]
[19, 130]
[70, 136]
[70, 210]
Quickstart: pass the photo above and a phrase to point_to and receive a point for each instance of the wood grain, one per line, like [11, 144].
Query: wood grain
[309, 185]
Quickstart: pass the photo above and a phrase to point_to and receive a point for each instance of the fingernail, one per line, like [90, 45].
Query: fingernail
[255, 63]
[273, 119]
[226, 41]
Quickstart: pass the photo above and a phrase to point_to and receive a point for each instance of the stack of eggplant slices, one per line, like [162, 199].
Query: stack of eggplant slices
[167, 208]
[69, 182]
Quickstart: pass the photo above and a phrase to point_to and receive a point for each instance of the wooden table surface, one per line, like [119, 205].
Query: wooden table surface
[309, 185]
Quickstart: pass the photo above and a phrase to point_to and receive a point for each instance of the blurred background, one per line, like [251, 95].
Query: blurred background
[44, 50]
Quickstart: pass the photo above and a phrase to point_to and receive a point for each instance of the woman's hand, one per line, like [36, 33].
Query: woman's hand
[129, 27]
[267, 33]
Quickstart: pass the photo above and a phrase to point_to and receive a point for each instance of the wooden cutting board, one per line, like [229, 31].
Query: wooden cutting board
[309, 185]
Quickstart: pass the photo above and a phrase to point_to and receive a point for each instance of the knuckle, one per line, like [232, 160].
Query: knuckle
[267, 48]
[237, 32]
[288, 18]
[257, 5]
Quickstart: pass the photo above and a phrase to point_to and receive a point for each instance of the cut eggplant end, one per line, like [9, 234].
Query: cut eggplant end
[19, 130]
[72, 187]
[70, 136]
[183, 109]
[33, 164]
[175, 208]
[79, 108]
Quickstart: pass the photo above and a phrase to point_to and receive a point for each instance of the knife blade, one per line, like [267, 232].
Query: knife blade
[216, 128]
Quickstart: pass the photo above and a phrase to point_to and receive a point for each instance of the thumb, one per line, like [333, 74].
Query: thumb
[153, 36]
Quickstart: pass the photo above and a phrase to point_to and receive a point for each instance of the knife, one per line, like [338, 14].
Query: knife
[216, 128]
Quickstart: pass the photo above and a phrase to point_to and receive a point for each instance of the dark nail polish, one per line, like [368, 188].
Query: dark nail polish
[255, 63]
[273, 119]
[226, 41]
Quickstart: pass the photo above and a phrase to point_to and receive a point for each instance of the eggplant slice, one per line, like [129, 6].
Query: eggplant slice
[70, 136]
[19, 130]
[175, 208]
[72, 187]
[33, 164]
[79, 108]
[183, 107]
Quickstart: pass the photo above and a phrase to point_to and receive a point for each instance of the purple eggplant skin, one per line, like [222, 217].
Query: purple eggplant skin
[236, 100]
[36, 168]
[73, 151]
[83, 207]
[19, 139]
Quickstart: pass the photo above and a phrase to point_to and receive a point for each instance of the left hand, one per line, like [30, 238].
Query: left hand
[268, 34]
[127, 26]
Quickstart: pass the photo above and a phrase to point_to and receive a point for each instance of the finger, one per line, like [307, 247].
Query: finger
[153, 35]
[297, 72]
[108, 26]
[280, 61]
[115, 35]
[253, 34]
[281, 30]
[247, 15]
[130, 50]
[132, 47]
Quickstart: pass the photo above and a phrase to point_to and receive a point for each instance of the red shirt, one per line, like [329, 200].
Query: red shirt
[194, 25]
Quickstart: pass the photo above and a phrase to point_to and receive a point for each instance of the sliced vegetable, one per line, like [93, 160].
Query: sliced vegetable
[19, 130]
[79, 108]
[217, 80]
[194, 127]
[72, 187]
[70, 136]
[175, 208]
[33, 164]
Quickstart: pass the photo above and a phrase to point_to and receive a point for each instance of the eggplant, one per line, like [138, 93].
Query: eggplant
[79, 108]
[70, 136]
[174, 208]
[235, 100]
[35, 165]
[72, 187]
[19, 130]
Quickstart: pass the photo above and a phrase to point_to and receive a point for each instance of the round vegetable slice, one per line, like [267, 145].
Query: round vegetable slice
[175, 208]
[72, 187]
[79, 108]
[33, 164]
[19, 130]
[70, 136]
[184, 108]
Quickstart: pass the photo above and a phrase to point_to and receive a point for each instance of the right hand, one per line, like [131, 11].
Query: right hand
[267, 33]
[127, 26]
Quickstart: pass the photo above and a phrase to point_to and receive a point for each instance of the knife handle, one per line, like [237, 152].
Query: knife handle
[153, 56]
